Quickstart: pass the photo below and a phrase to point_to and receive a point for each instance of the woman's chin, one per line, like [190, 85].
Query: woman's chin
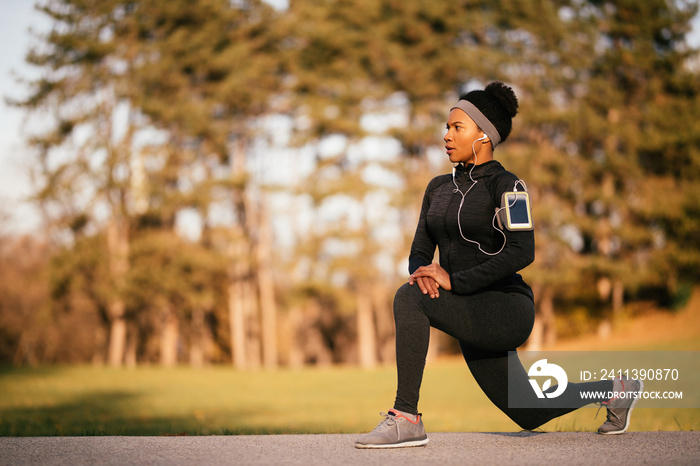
[454, 159]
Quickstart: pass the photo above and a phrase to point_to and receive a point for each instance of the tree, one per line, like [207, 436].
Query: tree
[597, 80]
[220, 60]
[353, 59]
[613, 133]
[187, 69]
[155, 113]
[24, 293]
[181, 296]
[646, 98]
[80, 90]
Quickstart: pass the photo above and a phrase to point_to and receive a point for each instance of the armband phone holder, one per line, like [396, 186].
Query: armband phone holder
[515, 213]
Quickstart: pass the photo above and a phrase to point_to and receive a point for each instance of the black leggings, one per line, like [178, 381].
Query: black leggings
[487, 326]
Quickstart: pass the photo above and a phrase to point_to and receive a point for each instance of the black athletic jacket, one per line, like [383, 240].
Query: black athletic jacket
[470, 270]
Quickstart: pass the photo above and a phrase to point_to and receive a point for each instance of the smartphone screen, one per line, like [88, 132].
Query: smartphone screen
[518, 210]
[518, 216]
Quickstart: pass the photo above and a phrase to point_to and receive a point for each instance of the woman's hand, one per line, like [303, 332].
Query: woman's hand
[430, 278]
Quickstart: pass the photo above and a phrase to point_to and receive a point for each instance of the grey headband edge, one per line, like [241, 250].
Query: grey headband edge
[480, 119]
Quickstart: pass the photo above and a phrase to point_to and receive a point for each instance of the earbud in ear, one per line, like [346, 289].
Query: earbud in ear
[482, 138]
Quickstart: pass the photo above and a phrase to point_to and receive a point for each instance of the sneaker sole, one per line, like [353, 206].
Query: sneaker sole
[629, 414]
[411, 443]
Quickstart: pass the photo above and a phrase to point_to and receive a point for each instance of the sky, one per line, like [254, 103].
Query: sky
[17, 17]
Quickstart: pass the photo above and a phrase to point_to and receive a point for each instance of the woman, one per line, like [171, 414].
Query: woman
[475, 293]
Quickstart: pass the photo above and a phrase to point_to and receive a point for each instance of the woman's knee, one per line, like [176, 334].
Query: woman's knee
[407, 300]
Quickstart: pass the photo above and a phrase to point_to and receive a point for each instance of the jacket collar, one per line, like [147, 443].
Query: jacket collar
[480, 171]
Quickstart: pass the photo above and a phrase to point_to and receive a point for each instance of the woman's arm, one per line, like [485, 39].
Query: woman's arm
[423, 246]
[518, 252]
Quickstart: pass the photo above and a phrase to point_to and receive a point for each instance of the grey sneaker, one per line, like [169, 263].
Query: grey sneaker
[394, 431]
[620, 407]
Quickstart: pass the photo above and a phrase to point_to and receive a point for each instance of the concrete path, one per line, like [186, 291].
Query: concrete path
[677, 448]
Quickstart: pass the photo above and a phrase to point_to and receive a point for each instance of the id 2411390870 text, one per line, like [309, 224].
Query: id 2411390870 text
[639, 374]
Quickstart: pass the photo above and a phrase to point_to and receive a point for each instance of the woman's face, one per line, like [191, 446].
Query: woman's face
[461, 134]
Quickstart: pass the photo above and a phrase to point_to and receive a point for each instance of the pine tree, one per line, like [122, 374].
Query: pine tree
[636, 132]
[197, 72]
[80, 90]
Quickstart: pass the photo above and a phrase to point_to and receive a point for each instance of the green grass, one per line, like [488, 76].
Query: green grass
[89, 400]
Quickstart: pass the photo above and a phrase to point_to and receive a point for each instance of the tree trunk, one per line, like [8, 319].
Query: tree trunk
[295, 325]
[547, 311]
[132, 342]
[169, 339]
[534, 341]
[117, 335]
[266, 289]
[243, 309]
[102, 342]
[604, 285]
[385, 323]
[236, 311]
[118, 250]
[197, 338]
[366, 333]
[252, 316]
[618, 296]
[544, 331]
[315, 348]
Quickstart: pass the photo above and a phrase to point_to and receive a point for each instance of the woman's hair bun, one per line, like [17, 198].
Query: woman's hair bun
[505, 95]
[498, 103]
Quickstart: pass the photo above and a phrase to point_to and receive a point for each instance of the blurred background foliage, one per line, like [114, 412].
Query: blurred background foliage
[227, 181]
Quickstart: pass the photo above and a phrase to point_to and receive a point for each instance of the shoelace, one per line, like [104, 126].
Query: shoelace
[608, 403]
[388, 422]
[610, 414]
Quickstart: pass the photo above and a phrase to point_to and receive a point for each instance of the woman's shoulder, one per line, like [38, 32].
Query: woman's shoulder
[494, 169]
[501, 179]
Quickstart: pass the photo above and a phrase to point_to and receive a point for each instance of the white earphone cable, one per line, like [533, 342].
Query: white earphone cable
[461, 203]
